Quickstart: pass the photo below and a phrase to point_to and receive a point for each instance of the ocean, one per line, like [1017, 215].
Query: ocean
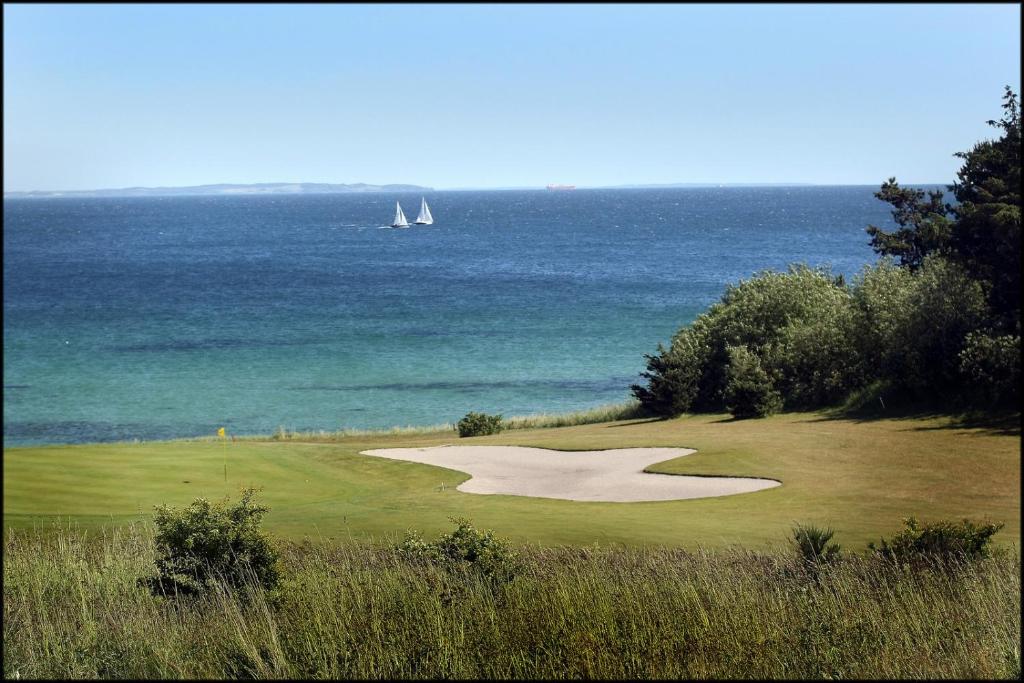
[165, 317]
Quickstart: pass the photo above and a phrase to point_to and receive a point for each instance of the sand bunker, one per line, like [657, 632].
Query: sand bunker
[614, 475]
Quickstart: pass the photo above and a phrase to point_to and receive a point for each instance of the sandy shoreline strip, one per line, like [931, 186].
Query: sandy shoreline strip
[612, 476]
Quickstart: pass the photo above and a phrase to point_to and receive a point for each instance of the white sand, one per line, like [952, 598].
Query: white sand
[613, 475]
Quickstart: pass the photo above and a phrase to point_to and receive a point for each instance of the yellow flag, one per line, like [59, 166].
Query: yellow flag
[220, 432]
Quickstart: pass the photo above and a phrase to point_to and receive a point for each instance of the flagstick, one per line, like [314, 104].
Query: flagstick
[224, 441]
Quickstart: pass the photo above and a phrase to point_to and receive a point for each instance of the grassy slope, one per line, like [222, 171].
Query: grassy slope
[860, 477]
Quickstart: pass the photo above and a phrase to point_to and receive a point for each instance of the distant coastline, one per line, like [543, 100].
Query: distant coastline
[223, 189]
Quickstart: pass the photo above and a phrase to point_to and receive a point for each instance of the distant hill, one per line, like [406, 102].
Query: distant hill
[224, 189]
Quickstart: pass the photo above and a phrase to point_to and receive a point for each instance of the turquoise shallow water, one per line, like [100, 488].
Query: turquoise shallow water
[157, 318]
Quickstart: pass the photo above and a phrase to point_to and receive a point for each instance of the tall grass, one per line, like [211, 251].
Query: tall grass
[73, 609]
[605, 413]
[283, 434]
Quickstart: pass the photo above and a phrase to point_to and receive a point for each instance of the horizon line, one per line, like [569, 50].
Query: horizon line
[415, 187]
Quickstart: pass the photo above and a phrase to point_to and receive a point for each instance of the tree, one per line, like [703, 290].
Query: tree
[981, 231]
[925, 226]
[986, 235]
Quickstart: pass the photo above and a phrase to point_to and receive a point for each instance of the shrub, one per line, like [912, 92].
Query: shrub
[817, 363]
[206, 542]
[941, 542]
[881, 297]
[465, 549]
[479, 424]
[818, 341]
[990, 367]
[813, 545]
[796, 323]
[674, 376]
[749, 392]
[926, 324]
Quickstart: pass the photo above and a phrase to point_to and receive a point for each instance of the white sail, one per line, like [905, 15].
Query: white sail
[400, 221]
[424, 218]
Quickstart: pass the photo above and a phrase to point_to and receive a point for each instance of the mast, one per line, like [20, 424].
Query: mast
[400, 221]
[424, 218]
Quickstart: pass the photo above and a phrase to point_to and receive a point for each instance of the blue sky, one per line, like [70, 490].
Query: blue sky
[107, 96]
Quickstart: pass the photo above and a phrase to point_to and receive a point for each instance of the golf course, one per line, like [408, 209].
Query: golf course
[861, 477]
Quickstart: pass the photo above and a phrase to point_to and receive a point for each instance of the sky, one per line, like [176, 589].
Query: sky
[451, 96]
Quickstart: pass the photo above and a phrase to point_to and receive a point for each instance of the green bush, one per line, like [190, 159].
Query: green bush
[749, 392]
[675, 375]
[480, 424]
[209, 542]
[819, 341]
[990, 367]
[942, 542]
[814, 546]
[797, 324]
[465, 549]
[881, 300]
[817, 363]
[913, 326]
[943, 307]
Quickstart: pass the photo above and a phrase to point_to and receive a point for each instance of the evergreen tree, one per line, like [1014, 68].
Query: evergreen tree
[986, 234]
[924, 229]
[981, 231]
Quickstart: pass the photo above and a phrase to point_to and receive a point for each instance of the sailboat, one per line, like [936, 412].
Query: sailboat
[424, 218]
[399, 221]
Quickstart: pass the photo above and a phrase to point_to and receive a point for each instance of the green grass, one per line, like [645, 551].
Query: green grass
[73, 609]
[859, 476]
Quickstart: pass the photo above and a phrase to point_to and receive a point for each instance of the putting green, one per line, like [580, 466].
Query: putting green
[860, 477]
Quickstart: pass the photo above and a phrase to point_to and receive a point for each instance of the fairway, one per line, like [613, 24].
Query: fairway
[860, 477]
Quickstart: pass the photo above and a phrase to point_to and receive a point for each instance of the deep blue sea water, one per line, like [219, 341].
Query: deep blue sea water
[156, 318]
